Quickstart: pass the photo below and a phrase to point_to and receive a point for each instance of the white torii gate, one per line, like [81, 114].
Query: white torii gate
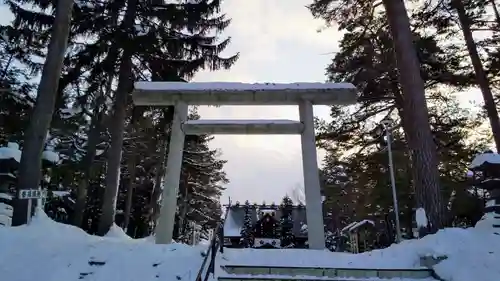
[181, 94]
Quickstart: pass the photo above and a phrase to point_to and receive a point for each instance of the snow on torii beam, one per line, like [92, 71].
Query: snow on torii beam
[242, 127]
[305, 95]
[229, 93]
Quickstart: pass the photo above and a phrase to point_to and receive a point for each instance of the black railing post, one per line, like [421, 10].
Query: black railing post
[211, 254]
[221, 238]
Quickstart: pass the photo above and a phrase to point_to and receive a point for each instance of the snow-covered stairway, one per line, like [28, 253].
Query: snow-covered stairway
[284, 273]
[308, 265]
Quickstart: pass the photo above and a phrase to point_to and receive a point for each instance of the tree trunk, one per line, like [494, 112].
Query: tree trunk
[154, 204]
[137, 113]
[125, 84]
[183, 209]
[81, 194]
[481, 77]
[94, 136]
[130, 191]
[407, 126]
[36, 133]
[420, 141]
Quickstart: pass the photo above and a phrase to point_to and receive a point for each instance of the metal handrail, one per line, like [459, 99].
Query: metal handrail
[211, 253]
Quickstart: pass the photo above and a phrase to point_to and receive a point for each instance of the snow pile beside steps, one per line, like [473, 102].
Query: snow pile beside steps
[50, 251]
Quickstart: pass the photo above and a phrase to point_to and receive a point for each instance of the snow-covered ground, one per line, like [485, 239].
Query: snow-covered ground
[49, 251]
[472, 254]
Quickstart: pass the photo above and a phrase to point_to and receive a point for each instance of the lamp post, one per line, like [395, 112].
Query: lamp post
[386, 126]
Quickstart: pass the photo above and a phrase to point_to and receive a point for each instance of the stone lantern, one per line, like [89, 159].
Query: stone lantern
[485, 170]
[10, 156]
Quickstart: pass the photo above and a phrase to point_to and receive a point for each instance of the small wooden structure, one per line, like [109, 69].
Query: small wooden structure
[361, 235]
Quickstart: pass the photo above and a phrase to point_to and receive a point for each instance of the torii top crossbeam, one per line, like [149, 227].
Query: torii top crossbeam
[229, 93]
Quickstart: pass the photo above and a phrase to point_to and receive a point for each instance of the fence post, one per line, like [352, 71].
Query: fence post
[220, 233]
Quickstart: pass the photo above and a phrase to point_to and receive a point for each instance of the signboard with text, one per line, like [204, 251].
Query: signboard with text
[30, 194]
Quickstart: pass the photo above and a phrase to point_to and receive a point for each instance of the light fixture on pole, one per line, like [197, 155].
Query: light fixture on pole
[386, 127]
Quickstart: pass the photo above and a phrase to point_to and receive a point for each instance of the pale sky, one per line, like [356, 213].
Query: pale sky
[278, 42]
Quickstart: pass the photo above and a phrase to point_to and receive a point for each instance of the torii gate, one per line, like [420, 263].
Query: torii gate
[181, 94]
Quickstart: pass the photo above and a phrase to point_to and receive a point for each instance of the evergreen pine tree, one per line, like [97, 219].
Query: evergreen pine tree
[14, 95]
[330, 241]
[202, 177]
[193, 44]
[366, 59]
[286, 223]
[246, 231]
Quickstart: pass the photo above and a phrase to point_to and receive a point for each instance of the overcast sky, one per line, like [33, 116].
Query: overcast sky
[278, 42]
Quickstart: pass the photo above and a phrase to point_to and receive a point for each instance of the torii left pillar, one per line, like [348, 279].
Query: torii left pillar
[171, 180]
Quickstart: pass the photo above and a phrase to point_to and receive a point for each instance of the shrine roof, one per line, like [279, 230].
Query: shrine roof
[260, 206]
[235, 216]
[357, 224]
[485, 161]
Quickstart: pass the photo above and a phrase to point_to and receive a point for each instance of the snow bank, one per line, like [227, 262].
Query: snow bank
[60, 193]
[6, 212]
[50, 156]
[6, 196]
[487, 222]
[472, 254]
[117, 232]
[49, 251]
[11, 151]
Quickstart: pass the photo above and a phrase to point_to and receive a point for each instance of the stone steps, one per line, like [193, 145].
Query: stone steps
[292, 278]
[283, 273]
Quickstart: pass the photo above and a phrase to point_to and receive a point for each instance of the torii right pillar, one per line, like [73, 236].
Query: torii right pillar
[312, 189]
